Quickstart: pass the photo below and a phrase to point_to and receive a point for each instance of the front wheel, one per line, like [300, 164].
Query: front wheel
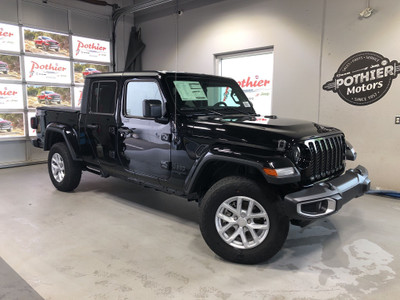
[241, 221]
[65, 173]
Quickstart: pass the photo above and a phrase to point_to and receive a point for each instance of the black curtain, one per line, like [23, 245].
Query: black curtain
[135, 48]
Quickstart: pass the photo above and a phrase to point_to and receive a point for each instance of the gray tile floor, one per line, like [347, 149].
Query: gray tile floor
[114, 240]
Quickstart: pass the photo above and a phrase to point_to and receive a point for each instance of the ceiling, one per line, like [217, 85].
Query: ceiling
[169, 8]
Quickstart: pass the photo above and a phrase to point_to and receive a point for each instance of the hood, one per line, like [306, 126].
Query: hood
[261, 132]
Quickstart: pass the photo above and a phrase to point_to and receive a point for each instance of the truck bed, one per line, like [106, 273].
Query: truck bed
[64, 115]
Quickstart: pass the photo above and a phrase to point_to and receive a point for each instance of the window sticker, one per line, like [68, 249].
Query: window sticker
[190, 90]
[246, 104]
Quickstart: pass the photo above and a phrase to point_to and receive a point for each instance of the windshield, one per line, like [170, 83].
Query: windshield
[205, 95]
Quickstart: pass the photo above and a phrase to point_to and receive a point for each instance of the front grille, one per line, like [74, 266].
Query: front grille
[327, 158]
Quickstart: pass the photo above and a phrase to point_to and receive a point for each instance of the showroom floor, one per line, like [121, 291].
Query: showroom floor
[114, 240]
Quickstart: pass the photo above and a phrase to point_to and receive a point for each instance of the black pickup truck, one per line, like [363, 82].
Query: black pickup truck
[198, 136]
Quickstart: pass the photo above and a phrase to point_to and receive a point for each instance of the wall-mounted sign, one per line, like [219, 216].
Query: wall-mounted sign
[46, 43]
[81, 70]
[39, 95]
[12, 125]
[9, 38]
[78, 91]
[11, 96]
[10, 67]
[47, 70]
[90, 49]
[363, 78]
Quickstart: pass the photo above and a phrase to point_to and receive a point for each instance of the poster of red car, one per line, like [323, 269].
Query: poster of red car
[41, 95]
[81, 70]
[46, 43]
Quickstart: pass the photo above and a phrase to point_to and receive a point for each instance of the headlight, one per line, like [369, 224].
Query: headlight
[299, 155]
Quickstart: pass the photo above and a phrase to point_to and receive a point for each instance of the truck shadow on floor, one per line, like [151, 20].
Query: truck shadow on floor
[137, 196]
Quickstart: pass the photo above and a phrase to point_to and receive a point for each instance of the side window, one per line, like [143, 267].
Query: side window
[136, 93]
[102, 99]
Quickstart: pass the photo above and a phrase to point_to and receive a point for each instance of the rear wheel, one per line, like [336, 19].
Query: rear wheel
[65, 173]
[241, 221]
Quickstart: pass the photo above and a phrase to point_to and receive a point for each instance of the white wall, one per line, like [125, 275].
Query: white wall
[311, 38]
[371, 128]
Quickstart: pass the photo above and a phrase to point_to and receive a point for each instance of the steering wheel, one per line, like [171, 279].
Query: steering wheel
[220, 103]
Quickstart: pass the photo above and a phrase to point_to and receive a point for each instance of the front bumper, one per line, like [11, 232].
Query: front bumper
[325, 198]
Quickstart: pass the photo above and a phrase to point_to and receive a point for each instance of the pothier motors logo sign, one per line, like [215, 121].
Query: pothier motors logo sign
[363, 78]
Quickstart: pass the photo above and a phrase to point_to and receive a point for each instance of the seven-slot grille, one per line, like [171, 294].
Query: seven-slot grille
[327, 158]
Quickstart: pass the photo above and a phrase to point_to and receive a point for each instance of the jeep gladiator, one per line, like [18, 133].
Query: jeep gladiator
[198, 136]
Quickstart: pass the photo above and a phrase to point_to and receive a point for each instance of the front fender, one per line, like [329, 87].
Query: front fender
[68, 135]
[245, 160]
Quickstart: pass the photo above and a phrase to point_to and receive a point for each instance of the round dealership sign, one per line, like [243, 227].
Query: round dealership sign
[363, 78]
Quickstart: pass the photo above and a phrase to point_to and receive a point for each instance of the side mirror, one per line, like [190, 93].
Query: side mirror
[152, 108]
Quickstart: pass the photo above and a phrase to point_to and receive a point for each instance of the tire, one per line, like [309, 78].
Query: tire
[253, 239]
[65, 173]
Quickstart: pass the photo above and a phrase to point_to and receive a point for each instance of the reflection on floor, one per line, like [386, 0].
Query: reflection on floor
[114, 240]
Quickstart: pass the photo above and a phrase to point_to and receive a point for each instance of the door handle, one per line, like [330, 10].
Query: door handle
[125, 131]
[93, 126]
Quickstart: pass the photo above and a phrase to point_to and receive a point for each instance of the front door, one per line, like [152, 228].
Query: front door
[144, 144]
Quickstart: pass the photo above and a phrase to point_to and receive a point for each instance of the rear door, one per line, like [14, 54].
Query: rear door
[100, 123]
[144, 142]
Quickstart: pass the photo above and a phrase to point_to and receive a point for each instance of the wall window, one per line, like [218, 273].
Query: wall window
[253, 71]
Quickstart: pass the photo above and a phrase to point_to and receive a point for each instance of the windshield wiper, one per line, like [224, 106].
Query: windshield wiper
[201, 111]
[241, 111]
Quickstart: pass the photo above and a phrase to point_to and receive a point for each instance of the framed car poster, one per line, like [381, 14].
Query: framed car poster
[12, 125]
[40, 95]
[90, 49]
[9, 38]
[10, 67]
[11, 96]
[81, 70]
[46, 43]
[47, 70]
